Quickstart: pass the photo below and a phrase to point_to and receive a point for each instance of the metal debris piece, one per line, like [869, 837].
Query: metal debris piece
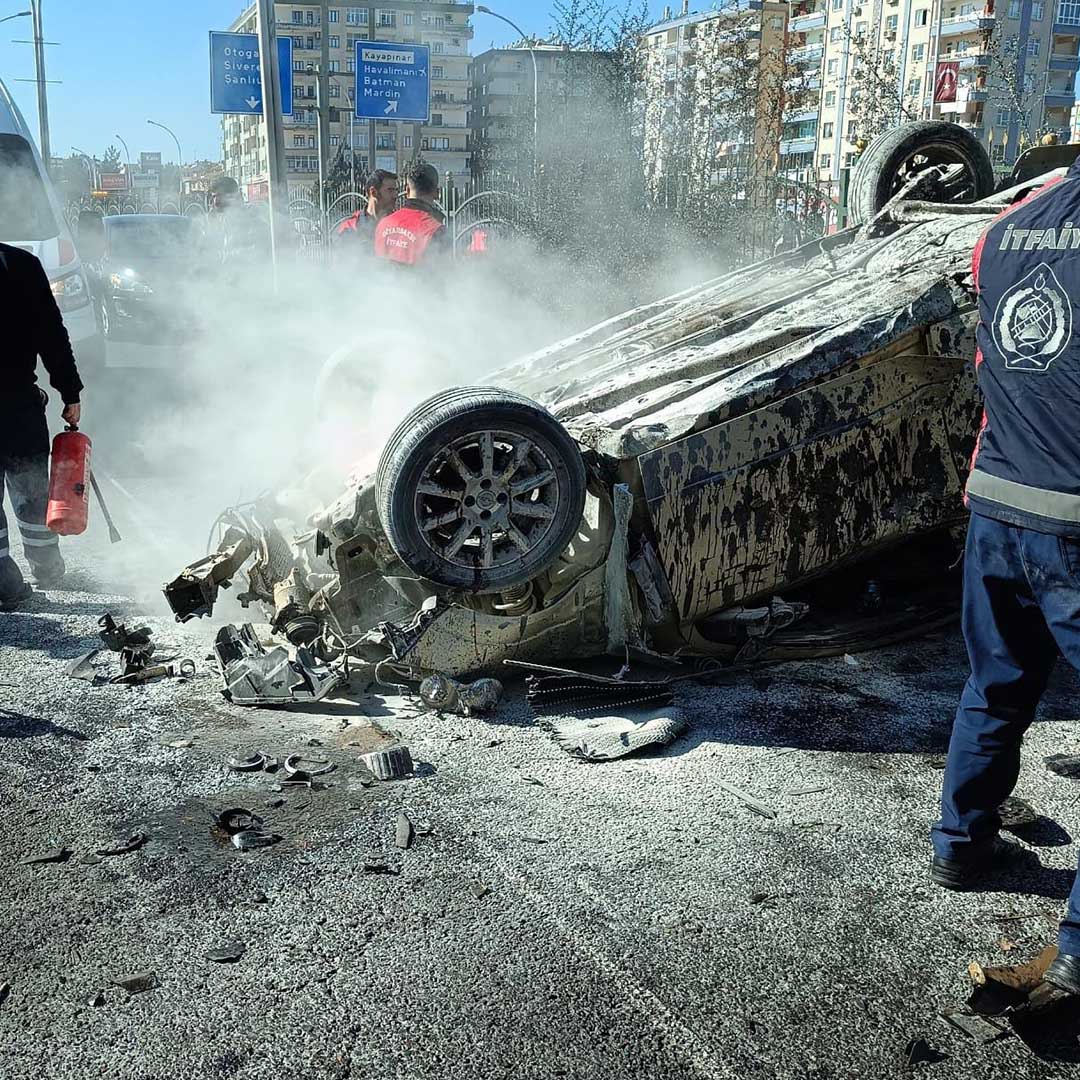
[250, 839]
[228, 953]
[811, 789]
[254, 675]
[444, 694]
[238, 819]
[90, 859]
[193, 591]
[977, 1027]
[532, 780]
[96, 1000]
[1017, 976]
[179, 744]
[1017, 813]
[1067, 765]
[53, 855]
[5, 991]
[82, 666]
[534, 839]
[134, 646]
[376, 866]
[760, 897]
[260, 897]
[850, 660]
[919, 1051]
[240, 762]
[137, 983]
[393, 763]
[132, 843]
[749, 801]
[404, 833]
[297, 764]
[479, 890]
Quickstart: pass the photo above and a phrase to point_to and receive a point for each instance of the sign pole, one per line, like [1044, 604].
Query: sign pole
[270, 72]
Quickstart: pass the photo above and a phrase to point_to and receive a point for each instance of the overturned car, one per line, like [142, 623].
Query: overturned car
[657, 482]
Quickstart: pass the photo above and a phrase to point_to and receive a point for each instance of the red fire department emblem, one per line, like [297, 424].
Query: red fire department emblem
[1033, 321]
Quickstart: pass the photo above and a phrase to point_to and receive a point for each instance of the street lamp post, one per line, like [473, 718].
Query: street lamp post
[92, 163]
[179, 156]
[536, 90]
[42, 97]
[127, 159]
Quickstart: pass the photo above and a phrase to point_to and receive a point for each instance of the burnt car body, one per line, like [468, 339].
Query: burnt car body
[738, 440]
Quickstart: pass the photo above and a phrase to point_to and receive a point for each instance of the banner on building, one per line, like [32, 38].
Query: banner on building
[948, 72]
[113, 181]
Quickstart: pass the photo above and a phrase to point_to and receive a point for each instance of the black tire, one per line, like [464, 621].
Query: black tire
[894, 157]
[454, 460]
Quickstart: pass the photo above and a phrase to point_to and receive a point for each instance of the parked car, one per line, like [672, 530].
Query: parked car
[32, 217]
[660, 481]
[142, 267]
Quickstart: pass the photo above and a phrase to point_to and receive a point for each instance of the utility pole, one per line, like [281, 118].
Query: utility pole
[39, 74]
[277, 176]
[323, 91]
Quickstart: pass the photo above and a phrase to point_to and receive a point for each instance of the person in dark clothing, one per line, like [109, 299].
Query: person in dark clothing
[356, 234]
[236, 231]
[416, 233]
[34, 328]
[1021, 604]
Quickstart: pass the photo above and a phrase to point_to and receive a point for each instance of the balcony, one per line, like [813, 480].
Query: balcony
[807, 54]
[967, 24]
[804, 145]
[801, 24]
[975, 58]
[1069, 26]
[1064, 61]
[803, 116]
[966, 97]
[1059, 95]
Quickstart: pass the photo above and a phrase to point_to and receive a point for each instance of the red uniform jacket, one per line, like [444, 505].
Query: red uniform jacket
[405, 235]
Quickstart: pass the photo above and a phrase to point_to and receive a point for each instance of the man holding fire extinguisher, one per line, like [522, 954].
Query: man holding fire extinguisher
[33, 327]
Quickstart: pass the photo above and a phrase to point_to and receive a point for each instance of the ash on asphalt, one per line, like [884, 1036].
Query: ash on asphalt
[660, 930]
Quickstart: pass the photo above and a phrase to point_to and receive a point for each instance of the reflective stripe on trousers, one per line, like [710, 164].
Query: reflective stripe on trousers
[1032, 500]
[36, 535]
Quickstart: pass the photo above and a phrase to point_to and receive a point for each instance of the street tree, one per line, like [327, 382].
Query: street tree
[111, 161]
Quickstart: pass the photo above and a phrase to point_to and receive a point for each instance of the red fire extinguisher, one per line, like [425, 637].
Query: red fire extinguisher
[69, 483]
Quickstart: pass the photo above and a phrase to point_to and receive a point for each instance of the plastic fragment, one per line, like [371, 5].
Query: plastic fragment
[137, 983]
[756, 805]
[53, 855]
[228, 953]
[404, 832]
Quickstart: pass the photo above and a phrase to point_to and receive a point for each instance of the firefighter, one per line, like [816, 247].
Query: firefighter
[416, 233]
[34, 328]
[1022, 557]
[357, 232]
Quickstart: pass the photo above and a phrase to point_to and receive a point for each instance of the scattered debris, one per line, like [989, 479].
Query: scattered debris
[975, 1026]
[228, 953]
[599, 718]
[1004, 984]
[1005, 945]
[82, 667]
[134, 646]
[96, 999]
[920, 1052]
[254, 675]
[53, 855]
[1016, 814]
[850, 660]
[1067, 765]
[479, 890]
[375, 866]
[238, 820]
[393, 763]
[124, 847]
[760, 897]
[534, 839]
[532, 780]
[178, 744]
[185, 670]
[811, 789]
[297, 765]
[404, 833]
[137, 983]
[90, 859]
[5, 991]
[444, 694]
[250, 839]
[259, 897]
[194, 590]
[239, 762]
[749, 801]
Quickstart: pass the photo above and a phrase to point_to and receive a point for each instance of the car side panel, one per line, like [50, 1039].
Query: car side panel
[783, 493]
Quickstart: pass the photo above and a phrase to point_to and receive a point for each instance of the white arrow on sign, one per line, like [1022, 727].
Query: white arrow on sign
[391, 106]
[421, 71]
[252, 102]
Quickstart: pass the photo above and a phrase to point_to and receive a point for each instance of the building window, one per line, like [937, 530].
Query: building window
[827, 131]
[922, 16]
[835, 32]
[356, 16]
[852, 124]
[298, 17]
[1038, 9]
[335, 41]
[350, 66]
[298, 42]
[335, 140]
[384, 141]
[335, 89]
[830, 99]
[1069, 12]
[406, 142]
[437, 71]
[299, 140]
[914, 87]
[837, 5]
[891, 22]
[335, 67]
[298, 65]
[436, 119]
[825, 161]
[407, 18]
[1003, 117]
[918, 51]
[831, 67]
[334, 15]
[310, 19]
[1014, 9]
[438, 47]
[1032, 48]
[384, 18]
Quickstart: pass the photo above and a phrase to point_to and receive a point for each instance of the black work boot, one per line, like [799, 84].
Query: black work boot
[1064, 973]
[983, 861]
[10, 601]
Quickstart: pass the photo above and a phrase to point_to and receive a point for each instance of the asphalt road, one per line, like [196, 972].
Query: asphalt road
[552, 919]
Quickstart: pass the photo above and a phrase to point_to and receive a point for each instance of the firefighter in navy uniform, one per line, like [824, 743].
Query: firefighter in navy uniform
[415, 234]
[1022, 558]
[33, 328]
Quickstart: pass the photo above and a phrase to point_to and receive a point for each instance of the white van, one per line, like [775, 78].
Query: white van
[32, 217]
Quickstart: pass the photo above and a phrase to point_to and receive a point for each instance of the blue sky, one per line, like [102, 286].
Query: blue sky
[121, 62]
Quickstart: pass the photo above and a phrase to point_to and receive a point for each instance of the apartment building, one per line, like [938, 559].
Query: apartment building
[575, 110]
[324, 37]
[711, 94]
[1003, 69]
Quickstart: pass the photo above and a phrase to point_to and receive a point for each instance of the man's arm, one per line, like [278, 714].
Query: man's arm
[51, 338]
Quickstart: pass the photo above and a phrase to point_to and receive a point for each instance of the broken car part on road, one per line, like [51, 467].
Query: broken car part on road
[443, 694]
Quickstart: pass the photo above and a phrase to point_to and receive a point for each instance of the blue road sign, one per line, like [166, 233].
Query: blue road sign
[392, 81]
[236, 77]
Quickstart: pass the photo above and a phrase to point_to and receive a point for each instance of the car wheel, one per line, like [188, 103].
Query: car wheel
[898, 156]
[480, 489]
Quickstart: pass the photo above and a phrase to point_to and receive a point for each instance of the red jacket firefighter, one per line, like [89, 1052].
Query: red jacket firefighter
[411, 235]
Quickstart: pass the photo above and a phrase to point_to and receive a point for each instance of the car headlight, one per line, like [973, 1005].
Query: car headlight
[128, 282]
[70, 291]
